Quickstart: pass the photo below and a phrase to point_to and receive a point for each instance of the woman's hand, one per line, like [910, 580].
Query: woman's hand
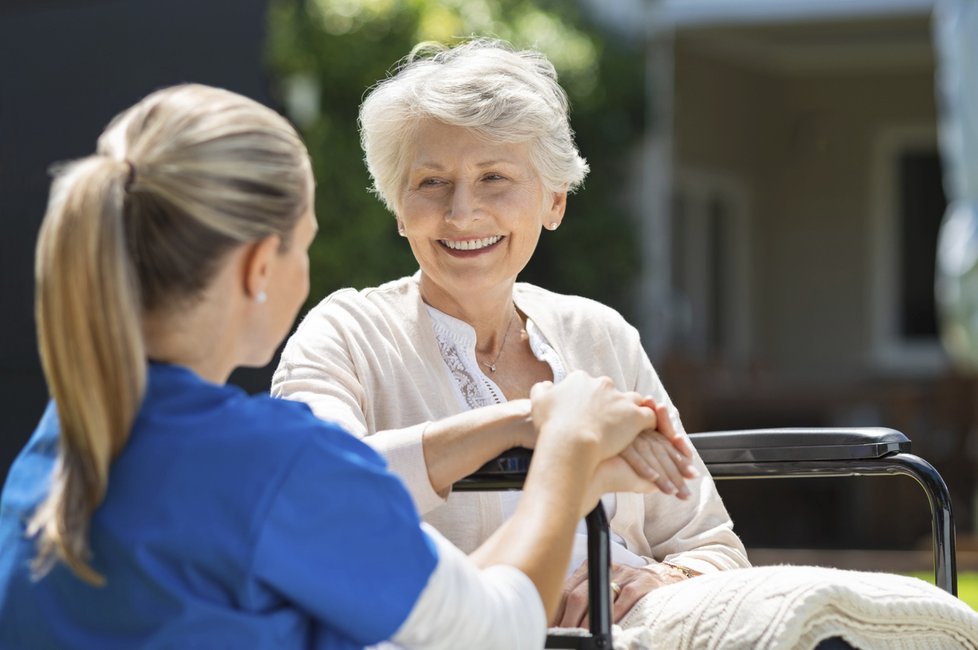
[591, 410]
[633, 583]
[663, 456]
[614, 475]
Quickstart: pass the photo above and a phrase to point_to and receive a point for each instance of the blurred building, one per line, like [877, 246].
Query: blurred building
[791, 202]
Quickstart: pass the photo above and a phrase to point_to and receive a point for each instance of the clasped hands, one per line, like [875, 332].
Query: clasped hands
[643, 451]
[648, 452]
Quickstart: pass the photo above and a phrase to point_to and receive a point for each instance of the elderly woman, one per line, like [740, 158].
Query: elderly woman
[472, 150]
[157, 507]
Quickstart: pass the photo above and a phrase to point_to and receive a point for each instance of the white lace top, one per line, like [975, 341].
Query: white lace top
[456, 340]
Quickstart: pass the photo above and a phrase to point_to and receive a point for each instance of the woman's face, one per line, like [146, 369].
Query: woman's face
[472, 211]
[293, 278]
[288, 284]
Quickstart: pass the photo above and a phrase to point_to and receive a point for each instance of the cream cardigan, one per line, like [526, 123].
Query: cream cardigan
[369, 361]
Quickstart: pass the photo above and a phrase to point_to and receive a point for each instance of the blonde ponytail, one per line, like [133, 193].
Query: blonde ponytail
[181, 178]
[92, 351]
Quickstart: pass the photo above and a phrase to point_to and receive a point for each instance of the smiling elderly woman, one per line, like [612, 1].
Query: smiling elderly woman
[472, 150]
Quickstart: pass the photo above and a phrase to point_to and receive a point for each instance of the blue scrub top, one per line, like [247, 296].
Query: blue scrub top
[230, 521]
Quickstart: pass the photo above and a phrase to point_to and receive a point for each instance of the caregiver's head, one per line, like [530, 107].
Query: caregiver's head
[472, 150]
[185, 234]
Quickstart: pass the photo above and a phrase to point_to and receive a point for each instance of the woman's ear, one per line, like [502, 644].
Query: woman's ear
[259, 262]
[558, 205]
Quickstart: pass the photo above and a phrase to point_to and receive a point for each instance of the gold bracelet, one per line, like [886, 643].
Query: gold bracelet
[687, 572]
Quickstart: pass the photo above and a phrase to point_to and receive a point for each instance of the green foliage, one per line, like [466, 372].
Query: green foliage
[326, 53]
[968, 588]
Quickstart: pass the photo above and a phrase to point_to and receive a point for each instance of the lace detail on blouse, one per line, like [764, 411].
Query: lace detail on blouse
[473, 394]
[456, 342]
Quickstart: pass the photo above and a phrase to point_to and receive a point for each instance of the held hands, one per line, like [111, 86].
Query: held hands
[590, 411]
[632, 584]
[653, 453]
[663, 456]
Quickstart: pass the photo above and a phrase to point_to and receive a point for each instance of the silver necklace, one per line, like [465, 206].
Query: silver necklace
[492, 366]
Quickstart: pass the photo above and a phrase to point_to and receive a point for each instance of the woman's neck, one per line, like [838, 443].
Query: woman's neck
[199, 337]
[491, 314]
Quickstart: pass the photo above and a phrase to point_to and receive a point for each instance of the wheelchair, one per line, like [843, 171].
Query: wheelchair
[752, 454]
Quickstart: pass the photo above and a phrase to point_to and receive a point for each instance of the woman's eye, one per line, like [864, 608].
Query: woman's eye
[494, 177]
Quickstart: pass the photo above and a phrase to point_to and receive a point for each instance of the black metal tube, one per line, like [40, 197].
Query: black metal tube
[942, 522]
[938, 497]
[599, 579]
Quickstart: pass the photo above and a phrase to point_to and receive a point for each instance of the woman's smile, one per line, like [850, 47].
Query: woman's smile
[472, 210]
[470, 247]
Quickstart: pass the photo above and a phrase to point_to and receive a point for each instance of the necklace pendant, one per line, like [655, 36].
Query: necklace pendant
[492, 366]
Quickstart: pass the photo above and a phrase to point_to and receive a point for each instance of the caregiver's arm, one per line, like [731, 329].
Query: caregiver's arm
[585, 424]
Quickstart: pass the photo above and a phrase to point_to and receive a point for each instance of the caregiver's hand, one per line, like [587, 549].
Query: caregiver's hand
[591, 411]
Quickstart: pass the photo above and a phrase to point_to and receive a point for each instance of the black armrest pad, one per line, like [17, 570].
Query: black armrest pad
[512, 461]
[504, 472]
[752, 445]
[760, 445]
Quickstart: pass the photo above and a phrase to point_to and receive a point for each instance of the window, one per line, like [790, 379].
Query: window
[909, 206]
[710, 267]
[920, 210]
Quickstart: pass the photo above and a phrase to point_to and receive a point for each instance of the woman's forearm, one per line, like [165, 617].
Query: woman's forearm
[456, 446]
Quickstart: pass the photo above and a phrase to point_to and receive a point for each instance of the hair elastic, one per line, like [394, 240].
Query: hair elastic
[131, 177]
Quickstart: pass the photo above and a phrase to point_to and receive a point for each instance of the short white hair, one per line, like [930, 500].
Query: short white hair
[485, 85]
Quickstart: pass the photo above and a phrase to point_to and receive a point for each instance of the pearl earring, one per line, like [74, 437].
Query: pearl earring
[553, 225]
[261, 297]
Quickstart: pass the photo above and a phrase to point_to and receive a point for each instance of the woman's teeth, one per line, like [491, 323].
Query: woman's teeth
[471, 244]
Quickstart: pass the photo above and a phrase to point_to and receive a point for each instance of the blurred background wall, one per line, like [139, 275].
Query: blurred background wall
[66, 68]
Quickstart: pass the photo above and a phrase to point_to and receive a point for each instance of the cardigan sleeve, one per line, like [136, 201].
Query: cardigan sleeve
[698, 532]
[316, 367]
[321, 365]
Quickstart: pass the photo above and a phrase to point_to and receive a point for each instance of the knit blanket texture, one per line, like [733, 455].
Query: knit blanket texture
[796, 607]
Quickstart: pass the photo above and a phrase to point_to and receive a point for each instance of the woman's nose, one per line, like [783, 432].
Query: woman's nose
[462, 208]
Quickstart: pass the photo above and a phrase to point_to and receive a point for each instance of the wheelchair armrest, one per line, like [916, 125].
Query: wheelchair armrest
[504, 472]
[803, 444]
[511, 461]
[748, 445]
[758, 453]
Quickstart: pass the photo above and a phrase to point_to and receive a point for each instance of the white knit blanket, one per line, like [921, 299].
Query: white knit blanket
[795, 607]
